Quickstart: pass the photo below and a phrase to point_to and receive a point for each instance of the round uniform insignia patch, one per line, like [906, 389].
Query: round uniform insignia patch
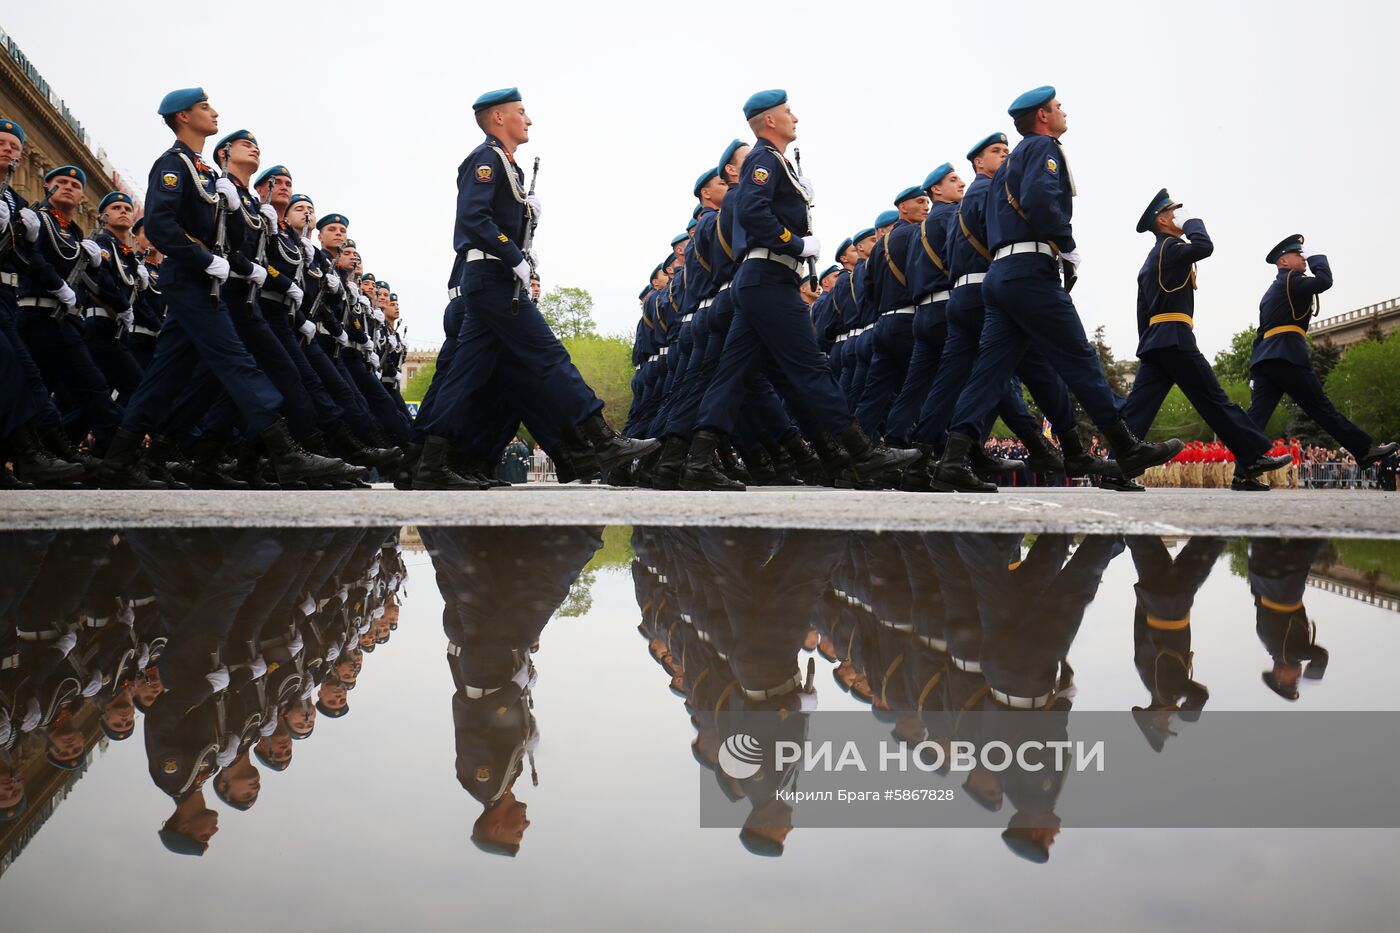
[760, 176]
[483, 774]
[170, 181]
[483, 173]
[1052, 166]
[170, 766]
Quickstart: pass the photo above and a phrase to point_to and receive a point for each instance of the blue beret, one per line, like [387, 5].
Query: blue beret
[234, 137]
[1160, 201]
[381, 284]
[695, 213]
[140, 222]
[886, 218]
[366, 275]
[938, 174]
[183, 99]
[1292, 244]
[827, 271]
[333, 219]
[679, 238]
[181, 843]
[642, 295]
[13, 128]
[842, 247]
[1031, 100]
[976, 150]
[67, 171]
[298, 198]
[862, 234]
[114, 198]
[66, 765]
[267, 762]
[763, 100]
[505, 95]
[331, 712]
[350, 244]
[394, 296]
[913, 191]
[704, 180]
[15, 811]
[277, 171]
[729, 150]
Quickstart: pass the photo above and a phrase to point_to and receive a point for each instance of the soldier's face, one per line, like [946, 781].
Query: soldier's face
[279, 191]
[333, 236]
[915, 210]
[68, 193]
[391, 313]
[1293, 262]
[66, 745]
[736, 162]
[991, 158]
[383, 296]
[514, 125]
[1057, 121]
[244, 154]
[301, 721]
[10, 147]
[864, 247]
[713, 191]
[119, 216]
[829, 281]
[950, 189]
[11, 789]
[679, 248]
[120, 714]
[203, 118]
[783, 124]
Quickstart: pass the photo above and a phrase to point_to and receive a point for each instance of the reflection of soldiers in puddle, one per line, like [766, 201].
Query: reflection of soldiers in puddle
[1278, 576]
[500, 587]
[1031, 610]
[1166, 590]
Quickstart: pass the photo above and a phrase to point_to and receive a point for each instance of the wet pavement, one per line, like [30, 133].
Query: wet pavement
[446, 727]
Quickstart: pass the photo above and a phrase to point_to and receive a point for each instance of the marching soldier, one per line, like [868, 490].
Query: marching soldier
[116, 285]
[149, 310]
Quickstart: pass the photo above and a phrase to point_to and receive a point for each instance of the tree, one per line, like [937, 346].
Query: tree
[568, 311]
[606, 365]
[1113, 371]
[418, 386]
[1324, 355]
[1365, 385]
[1232, 365]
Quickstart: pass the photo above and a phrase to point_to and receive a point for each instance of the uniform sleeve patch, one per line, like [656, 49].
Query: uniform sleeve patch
[503, 238]
[760, 176]
[786, 235]
[1052, 166]
[170, 181]
[484, 173]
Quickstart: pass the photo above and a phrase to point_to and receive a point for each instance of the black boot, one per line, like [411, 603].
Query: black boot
[582, 455]
[367, 454]
[33, 464]
[870, 460]
[121, 467]
[1135, 456]
[834, 458]
[209, 472]
[667, 474]
[760, 466]
[159, 456]
[918, 476]
[732, 467]
[809, 465]
[249, 468]
[1244, 483]
[317, 444]
[1377, 453]
[564, 470]
[434, 473]
[784, 467]
[1264, 464]
[403, 477]
[294, 464]
[9, 480]
[989, 467]
[613, 449]
[471, 467]
[58, 444]
[702, 467]
[1043, 458]
[954, 472]
[642, 473]
[1116, 482]
[1078, 460]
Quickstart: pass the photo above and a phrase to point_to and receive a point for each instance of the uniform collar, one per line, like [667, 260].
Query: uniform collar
[493, 141]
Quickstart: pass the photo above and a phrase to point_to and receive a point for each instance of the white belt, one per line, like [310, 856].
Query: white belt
[454, 293]
[9, 278]
[144, 331]
[321, 329]
[637, 368]
[907, 627]
[725, 286]
[768, 254]
[283, 299]
[937, 644]
[972, 278]
[1028, 246]
[389, 380]
[663, 351]
[1007, 699]
[9, 662]
[689, 317]
[477, 255]
[972, 667]
[840, 338]
[653, 358]
[99, 312]
[47, 304]
[860, 330]
[706, 303]
[934, 299]
[783, 689]
[905, 310]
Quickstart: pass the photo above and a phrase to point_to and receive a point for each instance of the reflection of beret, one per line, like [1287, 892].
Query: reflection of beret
[181, 843]
[1033, 99]
[325, 710]
[763, 100]
[505, 95]
[183, 99]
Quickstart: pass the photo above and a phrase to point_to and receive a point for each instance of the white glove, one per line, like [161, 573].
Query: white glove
[295, 293]
[377, 315]
[229, 191]
[258, 667]
[524, 678]
[218, 679]
[810, 247]
[65, 294]
[522, 272]
[332, 653]
[6, 732]
[806, 185]
[4, 213]
[536, 210]
[295, 645]
[219, 268]
[341, 339]
[94, 252]
[31, 717]
[126, 615]
[308, 249]
[363, 303]
[268, 727]
[31, 224]
[126, 318]
[1073, 258]
[66, 644]
[258, 275]
[1180, 216]
[807, 702]
[533, 257]
[143, 274]
[270, 214]
[308, 330]
[94, 684]
[333, 283]
[144, 660]
[229, 753]
[373, 360]
[1310, 253]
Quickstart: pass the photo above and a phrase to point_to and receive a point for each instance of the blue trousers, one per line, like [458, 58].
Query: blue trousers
[447, 354]
[67, 368]
[1272, 379]
[117, 363]
[45, 411]
[930, 333]
[1159, 370]
[894, 347]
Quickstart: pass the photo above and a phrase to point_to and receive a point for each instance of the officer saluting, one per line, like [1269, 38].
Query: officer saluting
[1280, 362]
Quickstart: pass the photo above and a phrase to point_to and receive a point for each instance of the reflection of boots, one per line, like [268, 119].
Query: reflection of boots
[434, 473]
[1135, 456]
[34, 464]
[612, 448]
[954, 471]
[702, 466]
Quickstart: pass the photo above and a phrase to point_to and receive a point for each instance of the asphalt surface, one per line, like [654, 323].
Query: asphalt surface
[1158, 511]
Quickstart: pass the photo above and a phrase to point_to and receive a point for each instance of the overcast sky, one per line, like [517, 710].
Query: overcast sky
[1264, 119]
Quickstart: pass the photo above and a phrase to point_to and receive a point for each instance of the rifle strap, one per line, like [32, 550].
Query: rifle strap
[928, 248]
[972, 239]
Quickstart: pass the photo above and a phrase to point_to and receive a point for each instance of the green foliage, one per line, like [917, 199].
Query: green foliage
[1232, 365]
[580, 598]
[1178, 418]
[1365, 386]
[605, 364]
[1278, 423]
[568, 311]
[418, 386]
[616, 551]
[1370, 556]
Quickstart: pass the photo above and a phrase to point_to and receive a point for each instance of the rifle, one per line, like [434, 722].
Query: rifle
[811, 260]
[8, 236]
[259, 257]
[74, 276]
[220, 247]
[529, 237]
